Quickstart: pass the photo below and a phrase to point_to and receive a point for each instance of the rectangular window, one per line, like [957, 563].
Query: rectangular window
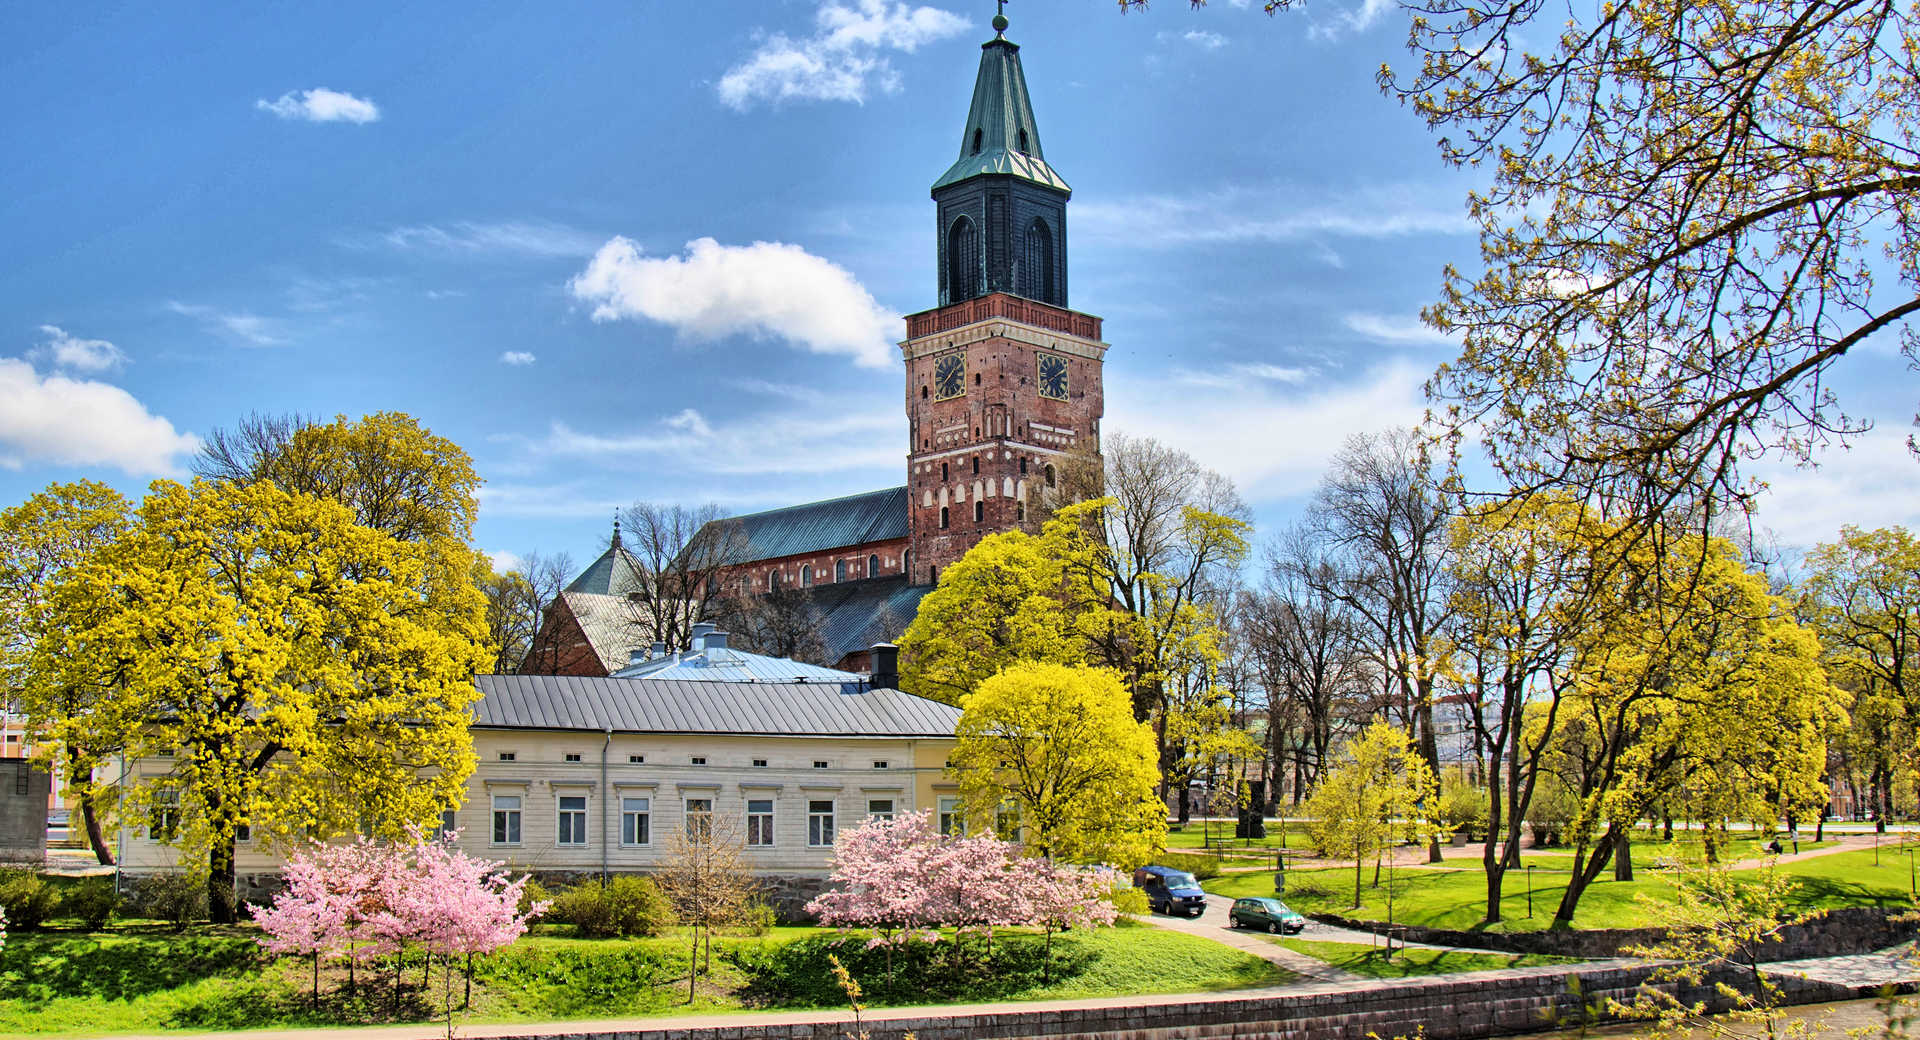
[699, 819]
[819, 764]
[880, 765]
[242, 832]
[449, 823]
[506, 819]
[573, 820]
[951, 822]
[760, 763]
[880, 808]
[820, 822]
[22, 779]
[1006, 822]
[573, 758]
[759, 822]
[165, 824]
[506, 756]
[636, 759]
[699, 760]
[635, 825]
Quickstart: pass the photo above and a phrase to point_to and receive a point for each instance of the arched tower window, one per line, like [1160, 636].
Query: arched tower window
[1023, 141]
[979, 510]
[1050, 475]
[943, 518]
[806, 575]
[963, 261]
[978, 136]
[1036, 268]
[839, 571]
[873, 566]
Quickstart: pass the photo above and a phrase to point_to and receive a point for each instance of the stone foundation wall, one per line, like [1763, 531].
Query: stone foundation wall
[1837, 932]
[1490, 1004]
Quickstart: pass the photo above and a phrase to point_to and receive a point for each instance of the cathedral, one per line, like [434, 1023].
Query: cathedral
[1002, 379]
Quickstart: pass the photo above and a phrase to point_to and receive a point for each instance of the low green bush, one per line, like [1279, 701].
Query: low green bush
[1201, 867]
[534, 892]
[627, 906]
[92, 902]
[27, 898]
[177, 898]
[563, 982]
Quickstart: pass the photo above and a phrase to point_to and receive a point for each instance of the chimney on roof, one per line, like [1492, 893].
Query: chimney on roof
[638, 656]
[885, 664]
[698, 636]
[716, 640]
[657, 650]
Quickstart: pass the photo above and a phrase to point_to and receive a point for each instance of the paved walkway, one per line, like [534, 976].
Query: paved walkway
[1213, 925]
[1879, 968]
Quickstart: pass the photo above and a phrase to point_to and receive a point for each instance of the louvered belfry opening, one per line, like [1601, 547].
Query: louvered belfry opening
[1036, 267]
[963, 261]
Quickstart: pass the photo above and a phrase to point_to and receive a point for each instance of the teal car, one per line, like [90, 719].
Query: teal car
[1265, 913]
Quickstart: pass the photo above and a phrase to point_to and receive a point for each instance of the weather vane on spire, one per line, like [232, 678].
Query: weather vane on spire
[1000, 18]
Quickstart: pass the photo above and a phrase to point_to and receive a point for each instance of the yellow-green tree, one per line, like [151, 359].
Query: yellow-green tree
[77, 715]
[1060, 744]
[1372, 800]
[1862, 594]
[1702, 686]
[1013, 597]
[308, 674]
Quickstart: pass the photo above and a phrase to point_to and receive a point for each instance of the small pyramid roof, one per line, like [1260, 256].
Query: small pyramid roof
[1001, 121]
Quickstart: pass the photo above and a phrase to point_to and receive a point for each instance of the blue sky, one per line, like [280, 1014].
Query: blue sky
[659, 250]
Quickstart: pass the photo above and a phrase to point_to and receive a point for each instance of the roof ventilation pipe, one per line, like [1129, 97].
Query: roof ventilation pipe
[886, 666]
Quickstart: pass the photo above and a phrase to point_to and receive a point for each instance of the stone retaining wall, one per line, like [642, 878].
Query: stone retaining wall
[1837, 932]
[1489, 1004]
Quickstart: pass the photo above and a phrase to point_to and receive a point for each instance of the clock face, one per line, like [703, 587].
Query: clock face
[950, 376]
[1053, 377]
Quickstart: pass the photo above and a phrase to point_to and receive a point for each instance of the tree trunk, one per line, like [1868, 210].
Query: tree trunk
[1430, 750]
[1357, 861]
[220, 905]
[94, 838]
[1490, 853]
[1186, 807]
[1667, 831]
[1585, 870]
[1623, 858]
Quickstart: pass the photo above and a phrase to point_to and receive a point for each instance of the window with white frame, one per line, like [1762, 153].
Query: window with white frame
[573, 756]
[165, 823]
[636, 821]
[820, 821]
[951, 822]
[506, 819]
[573, 820]
[636, 759]
[506, 756]
[880, 808]
[699, 819]
[449, 823]
[759, 822]
[1006, 821]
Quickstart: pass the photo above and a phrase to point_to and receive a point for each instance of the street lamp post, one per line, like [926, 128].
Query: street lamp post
[1529, 890]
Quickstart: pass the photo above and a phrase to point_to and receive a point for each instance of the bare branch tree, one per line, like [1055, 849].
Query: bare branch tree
[681, 555]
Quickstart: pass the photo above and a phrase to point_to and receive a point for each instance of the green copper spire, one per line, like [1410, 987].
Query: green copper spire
[1000, 136]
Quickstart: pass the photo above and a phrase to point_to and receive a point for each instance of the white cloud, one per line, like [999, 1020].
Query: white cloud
[766, 290]
[786, 443]
[1869, 484]
[321, 105]
[248, 328]
[1273, 438]
[81, 355]
[1275, 213]
[1211, 41]
[1350, 20]
[842, 60]
[516, 357]
[505, 561]
[1234, 376]
[82, 422]
[473, 237]
[1391, 329]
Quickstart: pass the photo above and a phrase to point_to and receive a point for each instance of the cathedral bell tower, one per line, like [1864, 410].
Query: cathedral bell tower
[1002, 378]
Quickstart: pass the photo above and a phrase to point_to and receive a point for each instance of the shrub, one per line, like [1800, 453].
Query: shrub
[176, 898]
[27, 898]
[1202, 868]
[1129, 901]
[757, 919]
[1463, 807]
[92, 902]
[627, 906]
[534, 892]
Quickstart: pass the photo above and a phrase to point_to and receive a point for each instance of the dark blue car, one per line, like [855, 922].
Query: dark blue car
[1170, 891]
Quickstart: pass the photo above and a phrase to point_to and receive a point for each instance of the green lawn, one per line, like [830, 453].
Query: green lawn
[1453, 895]
[1374, 962]
[150, 980]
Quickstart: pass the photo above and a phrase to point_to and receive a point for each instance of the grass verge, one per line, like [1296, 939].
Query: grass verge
[1376, 963]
